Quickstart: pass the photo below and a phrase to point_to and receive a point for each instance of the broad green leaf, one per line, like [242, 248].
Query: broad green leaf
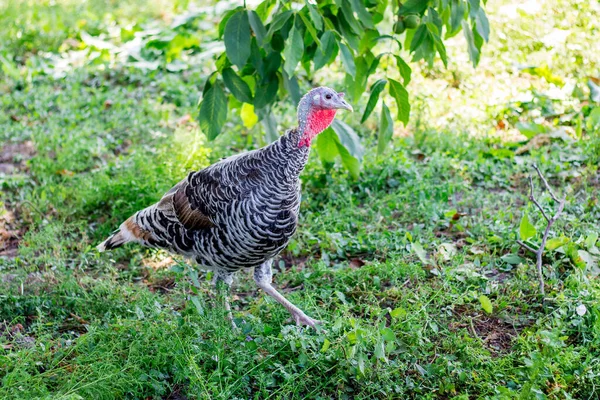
[364, 17]
[292, 87]
[486, 304]
[591, 240]
[413, 7]
[420, 252]
[422, 45]
[257, 26]
[269, 123]
[196, 302]
[388, 335]
[349, 161]
[278, 23]
[237, 38]
[373, 98]
[399, 93]
[328, 47]
[213, 112]
[386, 129]
[348, 138]
[237, 86]
[379, 351]
[265, 93]
[326, 344]
[249, 118]
[356, 86]
[457, 15]
[398, 313]
[512, 259]
[439, 45]
[326, 146]
[526, 228]
[473, 7]
[474, 53]
[225, 19]
[404, 68]
[294, 48]
[348, 15]
[315, 16]
[310, 28]
[348, 60]
[530, 129]
[482, 25]
[555, 243]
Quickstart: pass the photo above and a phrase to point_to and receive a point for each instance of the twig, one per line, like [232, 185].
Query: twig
[539, 252]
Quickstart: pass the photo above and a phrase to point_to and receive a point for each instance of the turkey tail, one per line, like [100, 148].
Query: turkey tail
[115, 240]
[129, 231]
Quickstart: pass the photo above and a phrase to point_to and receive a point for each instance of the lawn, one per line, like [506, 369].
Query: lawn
[414, 266]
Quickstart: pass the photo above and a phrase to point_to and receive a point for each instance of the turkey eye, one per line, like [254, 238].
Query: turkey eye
[328, 96]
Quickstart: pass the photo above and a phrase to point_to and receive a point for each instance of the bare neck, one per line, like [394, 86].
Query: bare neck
[312, 122]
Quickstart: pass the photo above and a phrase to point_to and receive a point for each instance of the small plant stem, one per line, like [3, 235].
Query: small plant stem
[539, 252]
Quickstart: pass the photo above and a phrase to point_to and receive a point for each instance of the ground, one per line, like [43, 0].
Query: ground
[414, 267]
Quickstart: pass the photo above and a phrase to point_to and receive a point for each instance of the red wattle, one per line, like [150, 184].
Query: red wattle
[316, 122]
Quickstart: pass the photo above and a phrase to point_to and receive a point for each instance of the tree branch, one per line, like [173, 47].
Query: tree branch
[539, 252]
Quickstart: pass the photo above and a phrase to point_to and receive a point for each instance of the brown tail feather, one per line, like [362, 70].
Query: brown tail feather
[115, 240]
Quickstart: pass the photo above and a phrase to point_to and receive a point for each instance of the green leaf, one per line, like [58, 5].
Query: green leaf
[213, 112]
[237, 38]
[348, 138]
[474, 53]
[294, 48]
[226, 18]
[413, 7]
[348, 161]
[555, 243]
[326, 344]
[512, 259]
[348, 15]
[526, 228]
[237, 86]
[348, 60]
[269, 123]
[257, 26]
[315, 16]
[422, 45]
[292, 87]
[439, 45]
[364, 17]
[326, 146]
[386, 129]
[530, 129]
[388, 334]
[404, 68]
[420, 252]
[457, 15]
[328, 47]
[398, 313]
[373, 98]
[379, 351]
[486, 304]
[310, 28]
[265, 93]
[482, 24]
[399, 93]
[278, 23]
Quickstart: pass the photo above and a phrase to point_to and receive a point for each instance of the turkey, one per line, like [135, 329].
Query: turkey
[241, 211]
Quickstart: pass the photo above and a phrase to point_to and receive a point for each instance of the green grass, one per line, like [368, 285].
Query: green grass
[395, 262]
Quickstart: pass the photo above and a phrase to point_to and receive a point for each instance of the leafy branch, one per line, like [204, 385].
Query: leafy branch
[539, 252]
[274, 48]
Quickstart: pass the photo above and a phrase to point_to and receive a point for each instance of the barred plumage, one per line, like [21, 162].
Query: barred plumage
[242, 211]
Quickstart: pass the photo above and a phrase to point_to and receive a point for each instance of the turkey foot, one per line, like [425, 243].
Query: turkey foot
[263, 276]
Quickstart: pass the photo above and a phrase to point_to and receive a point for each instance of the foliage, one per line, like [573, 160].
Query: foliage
[398, 263]
[280, 44]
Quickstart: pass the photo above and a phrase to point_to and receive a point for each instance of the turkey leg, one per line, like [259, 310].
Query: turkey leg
[222, 282]
[263, 276]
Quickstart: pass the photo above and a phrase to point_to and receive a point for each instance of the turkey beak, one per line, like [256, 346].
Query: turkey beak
[343, 104]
